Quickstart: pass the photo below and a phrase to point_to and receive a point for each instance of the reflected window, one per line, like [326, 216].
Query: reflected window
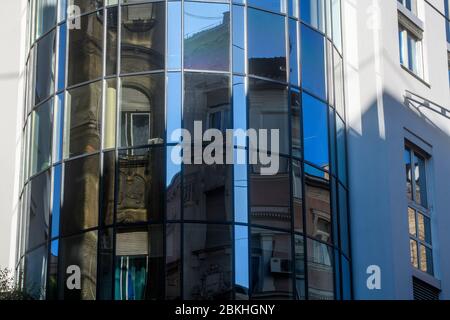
[85, 49]
[320, 271]
[139, 263]
[83, 120]
[81, 251]
[143, 37]
[318, 205]
[315, 131]
[266, 45]
[111, 41]
[141, 185]
[80, 209]
[45, 67]
[300, 267]
[313, 62]
[41, 143]
[108, 187]
[142, 116]
[207, 262]
[271, 265]
[297, 195]
[268, 109]
[313, 13]
[35, 273]
[45, 16]
[206, 36]
[39, 210]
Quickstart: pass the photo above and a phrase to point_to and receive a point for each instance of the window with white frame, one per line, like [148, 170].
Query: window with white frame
[411, 5]
[419, 216]
[411, 51]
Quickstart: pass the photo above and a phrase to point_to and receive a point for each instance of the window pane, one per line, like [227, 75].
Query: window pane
[80, 251]
[420, 177]
[313, 13]
[407, 161]
[56, 205]
[85, 50]
[271, 265]
[173, 261]
[108, 187]
[45, 16]
[239, 43]
[35, 273]
[343, 217]
[62, 47]
[52, 293]
[207, 262]
[313, 62]
[41, 145]
[337, 24]
[141, 185]
[58, 128]
[80, 209]
[109, 134]
[38, 221]
[241, 264]
[300, 267]
[269, 110]
[315, 131]
[318, 210]
[414, 255]
[271, 5]
[207, 99]
[424, 228]
[142, 119]
[86, 5]
[270, 197]
[45, 68]
[105, 264]
[174, 30]
[266, 45]
[341, 150]
[83, 120]
[173, 183]
[139, 267]
[297, 195]
[339, 84]
[320, 271]
[293, 53]
[426, 259]
[296, 128]
[412, 222]
[143, 44]
[206, 36]
[111, 41]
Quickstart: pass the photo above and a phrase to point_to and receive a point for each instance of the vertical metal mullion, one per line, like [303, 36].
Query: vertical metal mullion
[182, 227]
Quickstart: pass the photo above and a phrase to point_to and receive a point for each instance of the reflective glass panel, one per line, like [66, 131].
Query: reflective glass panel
[52, 293]
[339, 84]
[173, 183]
[108, 187]
[266, 45]
[300, 267]
[241, 263]
[296, 126]
[86, 5]
[271, 5]
[110, 118]
[426, 259]
[62, 47]
[407, 161]
[36, 273]
[105, 264]
[424, 228]
[143, 37]
[45, 16]
[80, 209]
[207, 270]
[320, 271]
[45, 67]
[111, 41]
[313, 13]
[142, 116]
[420, 177]
[41, 145]
[412, 222]
[337, 24]
[206, 36]
[297, 195]
[173, 261]
[174, 106]
[341, 144]
[414, 253]
[293, 53]
[56, 205]
[58, 128]
[174, 37]
[343, 217]
[239, 39]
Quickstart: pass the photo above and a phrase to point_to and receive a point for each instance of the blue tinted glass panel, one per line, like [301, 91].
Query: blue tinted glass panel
[346, 280]
[62, 57]
[266, 45]
[241, 262]
[174, 97]
[313, 13]
[206, 36]
[315, 128]
[238, 39]
[341, 150]
[293, 53]
[313, 62]
[343, 218]
[174, 35]
[271, 5]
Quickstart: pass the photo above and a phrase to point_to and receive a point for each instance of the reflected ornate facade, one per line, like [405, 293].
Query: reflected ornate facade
[100, 188]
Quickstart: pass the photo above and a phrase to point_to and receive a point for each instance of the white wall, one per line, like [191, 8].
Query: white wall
[12, 31]
[378, 122]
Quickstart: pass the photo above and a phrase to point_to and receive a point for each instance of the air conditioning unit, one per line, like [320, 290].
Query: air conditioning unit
[278, 265]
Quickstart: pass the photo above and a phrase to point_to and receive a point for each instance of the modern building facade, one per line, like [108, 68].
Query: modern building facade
[359, 91]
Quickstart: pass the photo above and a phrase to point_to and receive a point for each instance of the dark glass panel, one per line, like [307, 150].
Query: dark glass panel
[56, 205]
[300, 267]
[173, 183]
[241, 263]
[86, 5]
[85, 49]
[173, 261]
[111, 41]
[320, 271]
[313, 62]
[297, 195]
[45, 16]
[45, 67]
[315, 131]
[52, 281]
[105, 265]
[78, 251]
[80, 200]
[270, 197]
[143, 37]
[41, 143]
[83, 120]
[206, 36]
[420, 183]
[271, 265]
[318, 206]
[108, 187]
[36, 273]
[346, 279]
[296, 126]
[313, 13]
[141, 185]
[268, 109]
[139, 264]
[207, 99]
[142, 116]
[266, 45]
[39, 211]
[207, 262]
[62, 47]
[408, 168]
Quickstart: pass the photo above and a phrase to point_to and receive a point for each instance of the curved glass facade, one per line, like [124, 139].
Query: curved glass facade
[107, 89]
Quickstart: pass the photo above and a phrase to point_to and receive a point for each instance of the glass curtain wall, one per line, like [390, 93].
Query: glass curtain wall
[103, 197]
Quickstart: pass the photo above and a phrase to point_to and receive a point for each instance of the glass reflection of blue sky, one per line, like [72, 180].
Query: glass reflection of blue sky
[62, 57]
[172, 168]
[173, 105]
[241, 253]
[54, 248]
[57, 171]
[174, 35]
[313, 62]
[315, 129]
[271, 5]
